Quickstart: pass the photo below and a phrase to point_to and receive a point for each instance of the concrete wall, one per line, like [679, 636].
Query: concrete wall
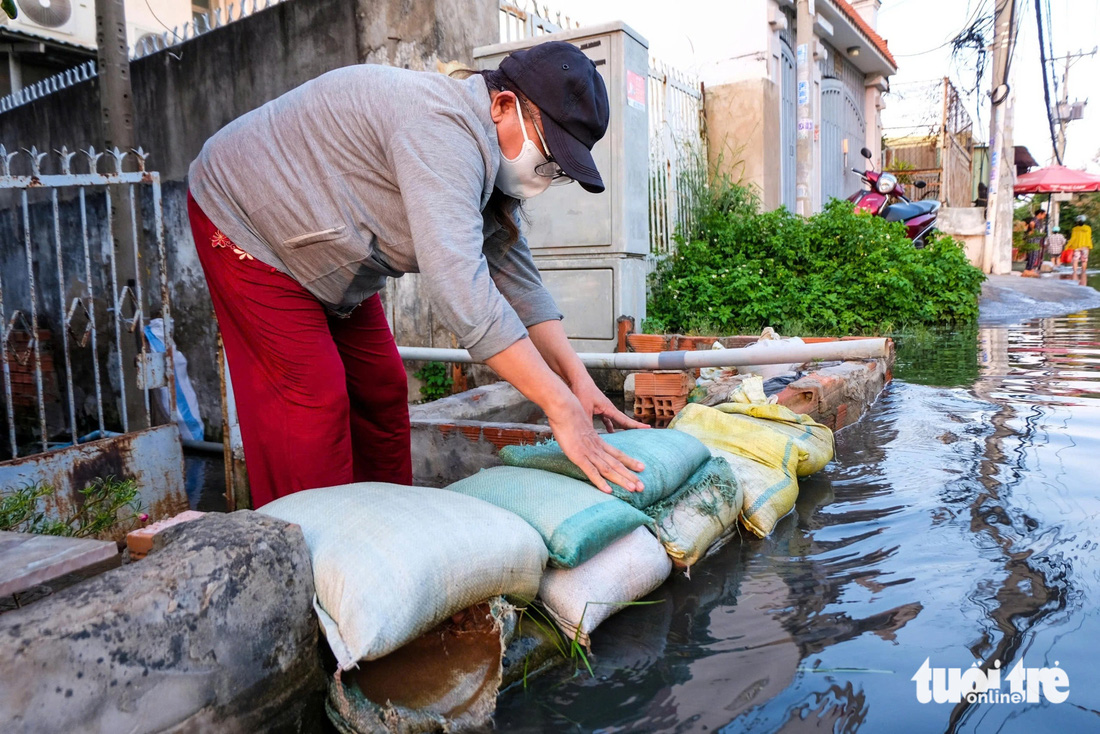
[185, 94]
[965, 223]
[743, 135]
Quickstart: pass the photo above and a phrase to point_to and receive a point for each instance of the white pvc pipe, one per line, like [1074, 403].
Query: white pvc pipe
[782, 353]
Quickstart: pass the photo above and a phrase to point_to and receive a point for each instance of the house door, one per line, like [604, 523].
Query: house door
[841, 126]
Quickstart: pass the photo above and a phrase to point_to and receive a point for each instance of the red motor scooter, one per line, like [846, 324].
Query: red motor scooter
[919, 217]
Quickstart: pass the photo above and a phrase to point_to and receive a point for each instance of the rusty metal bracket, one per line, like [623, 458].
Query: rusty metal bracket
[152, 371]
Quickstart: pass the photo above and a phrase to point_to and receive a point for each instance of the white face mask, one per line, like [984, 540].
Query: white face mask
[517, 177]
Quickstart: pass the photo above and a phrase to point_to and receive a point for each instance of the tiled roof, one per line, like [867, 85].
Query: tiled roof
[857, 19]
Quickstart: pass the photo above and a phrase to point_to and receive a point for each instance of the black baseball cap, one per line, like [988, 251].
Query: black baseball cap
[564, 84]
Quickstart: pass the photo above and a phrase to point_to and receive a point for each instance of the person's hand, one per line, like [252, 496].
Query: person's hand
[595, 403]
[601, 463]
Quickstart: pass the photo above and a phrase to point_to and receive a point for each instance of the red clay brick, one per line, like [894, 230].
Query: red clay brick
[663, 384]
[140, 542]
[842, 416]
[648, 343]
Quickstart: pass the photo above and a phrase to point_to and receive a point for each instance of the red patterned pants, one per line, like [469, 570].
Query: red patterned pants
[321, 400]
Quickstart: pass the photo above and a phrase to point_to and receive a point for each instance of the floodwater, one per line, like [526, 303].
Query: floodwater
[960, 524]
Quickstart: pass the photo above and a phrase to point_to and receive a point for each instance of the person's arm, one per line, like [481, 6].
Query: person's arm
[513, 270]
[440, 172]
[522, 365]
[550, 339]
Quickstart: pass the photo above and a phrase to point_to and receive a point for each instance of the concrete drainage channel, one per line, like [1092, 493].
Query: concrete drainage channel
[215, 630]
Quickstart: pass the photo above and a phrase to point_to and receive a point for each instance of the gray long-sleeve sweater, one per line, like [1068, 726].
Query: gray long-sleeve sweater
[369, 172]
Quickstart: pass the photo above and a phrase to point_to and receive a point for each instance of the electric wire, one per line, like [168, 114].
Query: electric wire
[1046, 79]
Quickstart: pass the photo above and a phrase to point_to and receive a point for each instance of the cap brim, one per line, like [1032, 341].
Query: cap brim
[572, 156]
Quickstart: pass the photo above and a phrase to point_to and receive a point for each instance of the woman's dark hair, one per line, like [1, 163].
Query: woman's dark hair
[502, 207]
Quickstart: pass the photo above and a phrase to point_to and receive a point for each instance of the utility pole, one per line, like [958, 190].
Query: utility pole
[804, 55]
[997, 249]
[1065, 116]
[1064, 113]
[116, 107]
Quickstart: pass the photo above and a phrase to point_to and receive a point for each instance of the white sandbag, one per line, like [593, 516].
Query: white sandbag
[580, 598]
[390, 562]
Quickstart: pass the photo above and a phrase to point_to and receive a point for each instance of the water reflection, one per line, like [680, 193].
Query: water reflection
[959, 523]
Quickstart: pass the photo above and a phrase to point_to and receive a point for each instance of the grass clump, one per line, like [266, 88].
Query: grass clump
[96, 511]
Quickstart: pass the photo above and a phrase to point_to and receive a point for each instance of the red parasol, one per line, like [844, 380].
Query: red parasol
[1056, 180]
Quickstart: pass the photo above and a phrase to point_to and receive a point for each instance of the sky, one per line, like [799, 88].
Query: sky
[913, 29]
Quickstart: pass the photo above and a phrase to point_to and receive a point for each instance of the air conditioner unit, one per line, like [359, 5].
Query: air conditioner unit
[71, 21]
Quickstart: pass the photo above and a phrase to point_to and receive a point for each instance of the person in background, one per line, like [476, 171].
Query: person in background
[1056, 242]
[1080, 241]
[1034, 237]
[1042, 224]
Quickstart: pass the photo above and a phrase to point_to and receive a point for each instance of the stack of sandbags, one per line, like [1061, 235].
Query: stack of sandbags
[574, 519]
[767, 448]
[581, 596]
[391, 562]
[669, 458]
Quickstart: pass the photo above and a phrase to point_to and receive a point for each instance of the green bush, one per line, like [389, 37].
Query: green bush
[838, 272]
[436, 381]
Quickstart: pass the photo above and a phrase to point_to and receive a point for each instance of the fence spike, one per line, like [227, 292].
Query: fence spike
[118, 155]
[93, 159]
[36, 160]
[141, 156]
[7, 159]
[66, 159]
[217, 17]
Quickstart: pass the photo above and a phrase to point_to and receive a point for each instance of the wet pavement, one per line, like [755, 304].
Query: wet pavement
[960, 524]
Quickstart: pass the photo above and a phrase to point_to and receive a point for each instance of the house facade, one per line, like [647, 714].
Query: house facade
[752, 98]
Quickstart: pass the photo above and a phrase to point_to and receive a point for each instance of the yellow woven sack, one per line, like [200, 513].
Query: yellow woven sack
[763, 458]
[812, 437]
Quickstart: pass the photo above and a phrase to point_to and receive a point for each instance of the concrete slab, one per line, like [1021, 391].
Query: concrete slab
[28, 560]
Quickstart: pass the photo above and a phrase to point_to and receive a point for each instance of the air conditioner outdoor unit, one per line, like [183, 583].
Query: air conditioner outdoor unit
[71, 21]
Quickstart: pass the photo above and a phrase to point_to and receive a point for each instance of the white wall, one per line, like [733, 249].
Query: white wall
[155, 16]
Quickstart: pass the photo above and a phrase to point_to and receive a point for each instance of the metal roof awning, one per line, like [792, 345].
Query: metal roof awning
[9, 35]
[849, 30]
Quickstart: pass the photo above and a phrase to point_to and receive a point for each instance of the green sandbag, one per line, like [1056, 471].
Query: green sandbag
[575, 519]
[670, 457]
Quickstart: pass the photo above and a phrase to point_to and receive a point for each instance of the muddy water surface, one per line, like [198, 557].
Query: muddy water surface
[960, 523]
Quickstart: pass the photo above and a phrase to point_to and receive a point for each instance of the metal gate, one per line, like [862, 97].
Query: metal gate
[842, 134]
[787, 141]
[86, 328]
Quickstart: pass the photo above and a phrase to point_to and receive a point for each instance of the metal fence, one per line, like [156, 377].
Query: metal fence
[148, 44]
[677, 153]
[68, 78]
[84, 277]
[938, 143]
[677, 135]
[199, 25]
[522, 19]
